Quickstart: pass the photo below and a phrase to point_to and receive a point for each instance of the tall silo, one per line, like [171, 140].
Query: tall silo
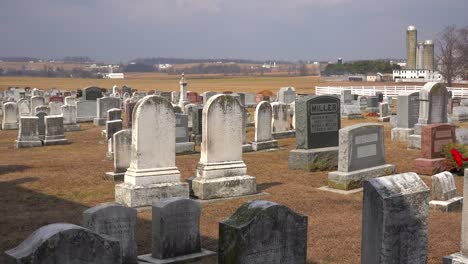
[419, 56]
[428, 55]
[411, 43]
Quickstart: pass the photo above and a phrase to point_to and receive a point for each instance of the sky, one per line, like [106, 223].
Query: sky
[121, 30]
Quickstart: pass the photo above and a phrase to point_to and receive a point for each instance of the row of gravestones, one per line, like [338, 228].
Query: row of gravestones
[394, 217]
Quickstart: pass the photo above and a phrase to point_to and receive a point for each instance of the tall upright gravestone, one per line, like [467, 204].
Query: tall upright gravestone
[86, 108]
[263, 232]
[122, 147]
[152, 173]
[394, 220]
[361, 156]
[407, 116]
[28, 135]
[176, 232]
[221, 172]
[317, 126]
[103, 105]
[263, 138]
[10, 116]
[116, 221]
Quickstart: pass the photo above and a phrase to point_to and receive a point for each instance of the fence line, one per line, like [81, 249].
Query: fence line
[385, 90]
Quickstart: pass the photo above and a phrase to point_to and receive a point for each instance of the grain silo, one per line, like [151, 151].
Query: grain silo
[428, 55]
[419, 55]
[411, 43]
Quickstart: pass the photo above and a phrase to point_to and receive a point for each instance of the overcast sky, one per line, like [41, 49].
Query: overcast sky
[119, 30]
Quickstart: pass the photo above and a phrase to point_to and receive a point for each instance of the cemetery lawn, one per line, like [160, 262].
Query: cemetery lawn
[52, 184]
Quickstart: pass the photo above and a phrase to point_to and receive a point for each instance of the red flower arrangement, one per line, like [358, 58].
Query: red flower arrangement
[455, 155]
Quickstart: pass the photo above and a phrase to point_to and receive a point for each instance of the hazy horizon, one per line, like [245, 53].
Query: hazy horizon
[118, 31]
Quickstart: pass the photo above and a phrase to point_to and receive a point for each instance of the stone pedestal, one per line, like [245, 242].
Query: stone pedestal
[352, 180]
[429, 166]
[71, 127]
[414, 142]
[261, 145]
[247, 148]
[28, 144]
[190, 258]
[284, 134]
[114, 176]
[313, 159]
[55, 140]
[455, 258]
[98, 121]
[137, 196]
[9, 126]
[401, 134]
[454, 204]
[185, 147]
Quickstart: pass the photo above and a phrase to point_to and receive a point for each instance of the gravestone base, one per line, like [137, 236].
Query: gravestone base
[418, 128]
[50, 141]
[7, 126]
[71, 127]
[232, 186]
[455, 258]
[452, 205]
[138, 196]
[353, 180]
[180, 259]
[185, 147]
[114, 176]
[372, 109]
[352, 116]
[414, 141]
[320, 159]
[261, 145]
[28, 144]
[284, 134]
[401, 134]
[429, 166]
[99, 121]
[384, 119]
[247, 148]
[84, 119]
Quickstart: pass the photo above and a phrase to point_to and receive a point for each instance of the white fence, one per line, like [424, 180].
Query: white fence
[385, 90]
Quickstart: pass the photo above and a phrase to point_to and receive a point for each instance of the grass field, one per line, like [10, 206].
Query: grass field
[197, 83]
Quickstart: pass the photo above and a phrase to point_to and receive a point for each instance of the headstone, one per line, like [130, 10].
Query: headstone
[379, 96]
[55, 108]
[126, 89]
[286, 95]
[176, 232]
[183, 92]
[113, 127]
[86, 110]
[188, 110]
[182, 135]
[207, 95]
[103, 105]
[317, 126]
[346, 97]
[42, 108]
[407, 116]
[433, 139]
[28, 136]
[41, 124]
[453, 102]
[175, 95]
[384, 112]
[362, 102]
[197, 130]
[35, 102]
[70, 100]
[279, 121]
[263, 232]
[129, 106]
[54, 133]
[351, 111]
[116, 221]
[23, 107]
[249, 100]
[394, 220]
[192, 97]
[10, 116]
[444, 193]
[114, 114]
[69, 118]
[361, 156]
[92, 93]
[221, 172]
[433, 99]
[65, 243]
[263, 138]
[122, 147]
[460, 113]
[152, 173]
[372, 104]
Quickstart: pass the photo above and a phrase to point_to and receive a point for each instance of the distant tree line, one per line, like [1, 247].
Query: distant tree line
[160, 60]
[361, 67]
[51, 72]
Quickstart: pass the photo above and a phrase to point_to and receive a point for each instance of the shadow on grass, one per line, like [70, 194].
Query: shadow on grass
[4, 169]
[265, 186]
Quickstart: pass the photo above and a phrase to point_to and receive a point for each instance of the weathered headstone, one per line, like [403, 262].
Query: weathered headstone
[55, 108]
[35, 102]
[384, 112]
[54, 133]
[129, 106]
[28, 135]
[196, 135]
[116, 221]
[10, 116]
[444, 193]
[182, 135]
[114, 114]
[346, 97]
[372, 104]
[362, 102]
[69, 118]
[152, 173]
[113, 127]
[407, 116]
[122, 148]
[361, 156]
[65, 243]
[263, 138]
[263, 232]
[70, 100]
[279, 122]
[351, 111]
[460, 113]
[394, 220]
[86, 110]
[23, 107]
[92, 93]
[221, 172]
[176, 232]
[317, 126]
[433, 139]
[207, 95]
[286, 95]
[103, 105]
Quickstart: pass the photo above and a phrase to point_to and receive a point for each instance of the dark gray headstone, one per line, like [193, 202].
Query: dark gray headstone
[394, 220]
[176, 228]
[92, 93]
[65, 243]
[197, 116]
[182, 128]
[317, 121]
[113, 127]
[372, 101]
[114, 114]
[116, 221]
[263, 232]
[407, 110]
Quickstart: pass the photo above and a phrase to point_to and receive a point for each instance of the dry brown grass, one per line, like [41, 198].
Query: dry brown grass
[40, 186]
